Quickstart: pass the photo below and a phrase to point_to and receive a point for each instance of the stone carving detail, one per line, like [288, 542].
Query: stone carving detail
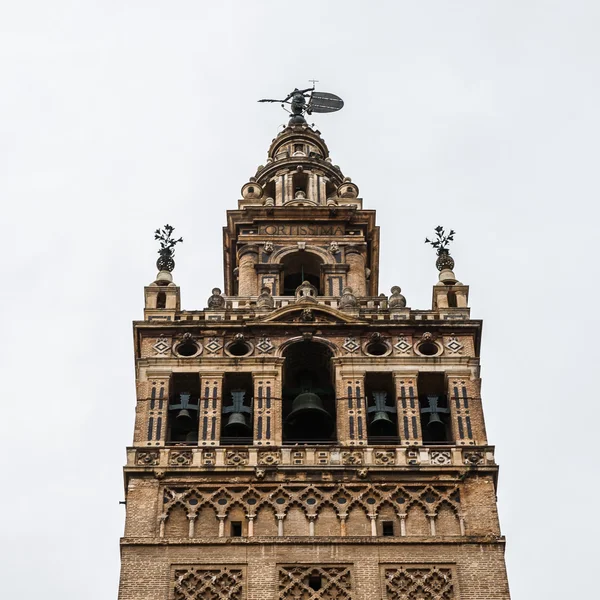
[268, 247]
[350, 345]
[419, 583]
[295, 583]
[162, 345]
[264, 345]
[348, 300]
[298, 457]
[216, 301]
[334, 247]
[396, 300]
[209, 457]
[236, 457]
[265, 300]
[197, 583]
[454, 346]
[269, 457]
[307, 314]
[306, 292]
[440, 457]
[180, 457]
[213, 345]
[473, 458]
[384, 457]
[403, 345]
[354, 457]
[147, 458]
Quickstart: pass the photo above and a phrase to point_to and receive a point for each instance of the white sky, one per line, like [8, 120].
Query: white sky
[119, 116]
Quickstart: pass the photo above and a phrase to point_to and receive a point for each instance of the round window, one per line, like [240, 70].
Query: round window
[187, 349]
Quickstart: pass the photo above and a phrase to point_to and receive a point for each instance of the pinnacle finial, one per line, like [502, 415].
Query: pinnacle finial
[166, 251]
[444, 262]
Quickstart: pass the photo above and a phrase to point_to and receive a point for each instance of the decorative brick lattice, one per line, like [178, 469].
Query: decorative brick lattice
[419, 583]
[314, 583]
[264, 345]
[194, 583]
[403, 345]
[147, 458]
[454, 346]
[350, 345]
[269, 458]
[180, 457]
[313, 499]
[162, 345]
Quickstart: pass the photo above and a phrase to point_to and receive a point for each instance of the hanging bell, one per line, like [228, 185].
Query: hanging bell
[382, 424]
[308, 420]
[434, 420]
[307, 402]
[236, 425]
[183, 415]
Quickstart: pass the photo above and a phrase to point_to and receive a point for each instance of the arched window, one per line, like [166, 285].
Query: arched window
[308, 394]
[298, 267]
[161, 300]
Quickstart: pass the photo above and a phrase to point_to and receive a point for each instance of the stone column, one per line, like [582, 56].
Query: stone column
[311, 524]
[250, 518]
[267, 409]
[351, 409]
[402, 517]
[431, 518]
[192, 520]
[280, 519]
[343, 518]
[248, 280]
[373, 525]
[356, 279]
[407, 406]
[211, 401]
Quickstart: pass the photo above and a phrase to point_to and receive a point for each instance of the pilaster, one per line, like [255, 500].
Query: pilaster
[211, 402]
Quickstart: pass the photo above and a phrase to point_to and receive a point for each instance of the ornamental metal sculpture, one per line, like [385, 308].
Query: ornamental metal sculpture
[166, 251]
[444, 260]
[318, 102]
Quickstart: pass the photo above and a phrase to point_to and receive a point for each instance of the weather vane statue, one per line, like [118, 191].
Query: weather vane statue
[441, 243]
[166, 251]
[318, 102]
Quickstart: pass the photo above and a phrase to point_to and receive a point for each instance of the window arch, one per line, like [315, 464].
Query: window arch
[298, 267]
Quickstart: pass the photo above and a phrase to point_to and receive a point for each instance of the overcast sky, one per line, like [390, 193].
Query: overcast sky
[117, 117]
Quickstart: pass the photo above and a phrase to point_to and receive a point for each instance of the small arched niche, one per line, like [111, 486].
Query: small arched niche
[298, 267]
[308, 394]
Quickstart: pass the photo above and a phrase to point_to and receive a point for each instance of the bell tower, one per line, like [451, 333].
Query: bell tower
[303, 436]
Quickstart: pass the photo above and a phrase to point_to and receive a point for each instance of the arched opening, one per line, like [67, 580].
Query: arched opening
[434, 409]
[300, 184]
[452, 303]
[236, 420]
[161, 300]
[308, 394]
[381, 408]
[298, 267]
[183, 409]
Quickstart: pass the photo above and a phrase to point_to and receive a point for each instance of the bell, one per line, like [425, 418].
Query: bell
[382, 424]
[307, 402]
[434, 420]
[236, 425]
[184, 413]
